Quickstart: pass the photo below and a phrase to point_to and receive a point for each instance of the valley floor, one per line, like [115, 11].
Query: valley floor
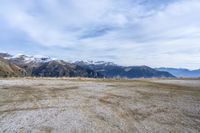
[111, 106]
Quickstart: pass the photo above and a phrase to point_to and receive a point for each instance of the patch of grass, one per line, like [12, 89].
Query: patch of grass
[111, 98]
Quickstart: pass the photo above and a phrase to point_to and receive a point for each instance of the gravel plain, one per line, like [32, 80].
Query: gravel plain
[99, 106]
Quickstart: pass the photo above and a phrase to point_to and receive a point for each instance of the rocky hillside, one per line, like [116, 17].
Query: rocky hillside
[8, 69]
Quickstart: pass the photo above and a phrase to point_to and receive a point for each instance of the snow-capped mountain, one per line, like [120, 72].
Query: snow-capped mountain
[30, 59]
[5, 55]
[42, 66]
[90, 62]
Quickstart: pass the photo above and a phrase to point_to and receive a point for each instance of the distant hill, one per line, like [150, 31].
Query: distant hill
[110, 70]
[179, 72]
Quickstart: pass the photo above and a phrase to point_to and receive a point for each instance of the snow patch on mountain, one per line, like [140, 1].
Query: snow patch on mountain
[90, 62]
[29, 59]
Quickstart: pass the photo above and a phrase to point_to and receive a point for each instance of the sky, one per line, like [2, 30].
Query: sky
[157, 33]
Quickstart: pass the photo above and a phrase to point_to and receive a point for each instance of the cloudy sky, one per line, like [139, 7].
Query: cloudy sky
[128, 32]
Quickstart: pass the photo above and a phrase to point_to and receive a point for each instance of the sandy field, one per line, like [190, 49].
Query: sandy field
[99, 106]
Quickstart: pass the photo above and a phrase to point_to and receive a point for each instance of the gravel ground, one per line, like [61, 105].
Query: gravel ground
[110, 106]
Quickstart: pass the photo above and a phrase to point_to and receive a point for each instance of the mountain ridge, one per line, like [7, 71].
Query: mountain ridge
[112, 70]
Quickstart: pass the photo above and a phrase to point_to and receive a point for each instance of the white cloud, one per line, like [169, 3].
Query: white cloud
[124, 31]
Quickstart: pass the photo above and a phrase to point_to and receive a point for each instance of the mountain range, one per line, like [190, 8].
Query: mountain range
[41, 66]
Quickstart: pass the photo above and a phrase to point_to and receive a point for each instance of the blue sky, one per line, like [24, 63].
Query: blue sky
[128, 32]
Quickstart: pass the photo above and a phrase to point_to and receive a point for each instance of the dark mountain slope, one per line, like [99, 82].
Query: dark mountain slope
[61, 69]
[111, 70]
